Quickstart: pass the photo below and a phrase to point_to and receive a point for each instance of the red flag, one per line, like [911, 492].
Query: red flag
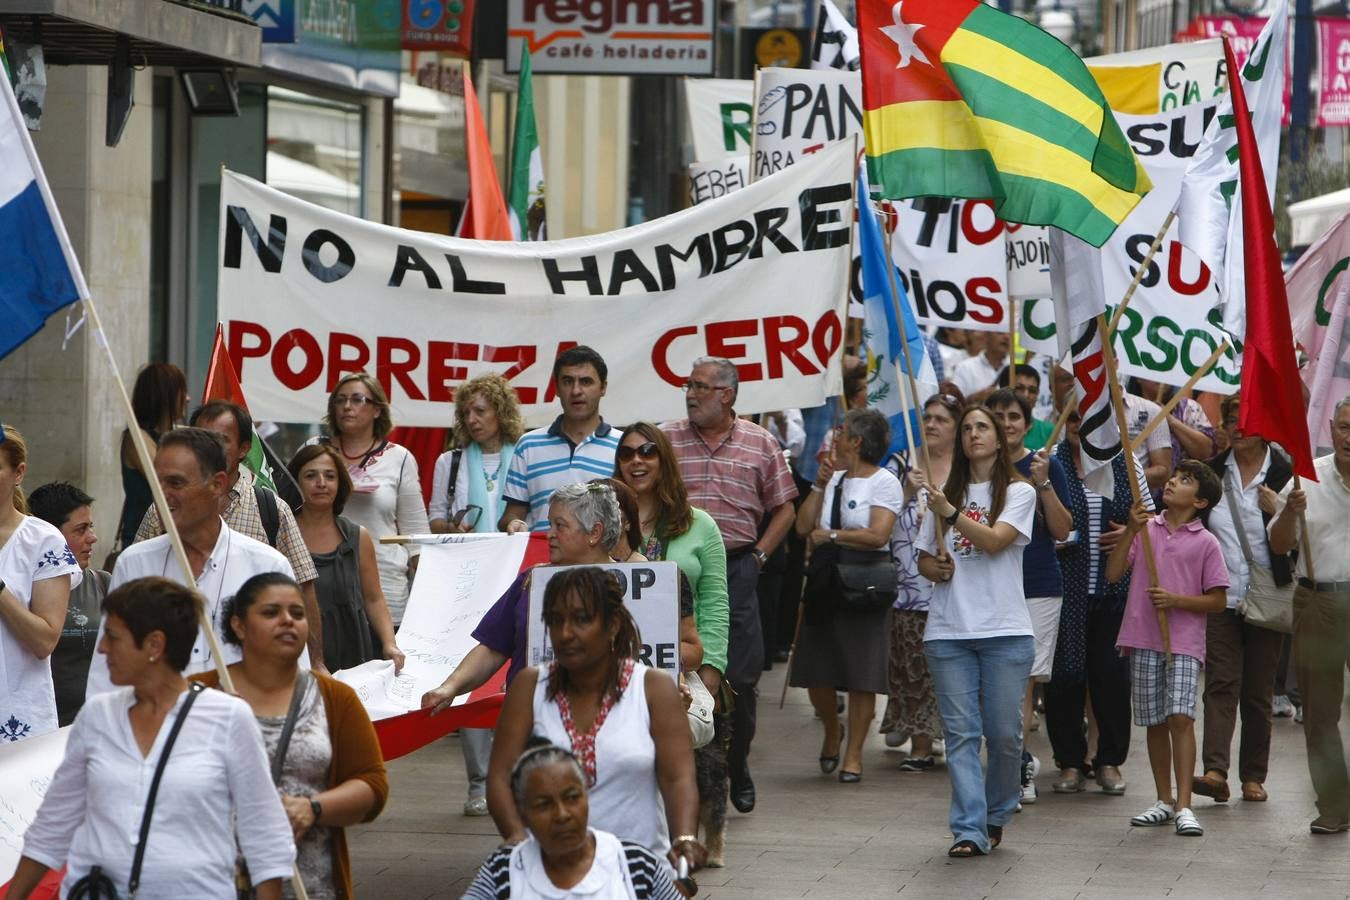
[222, 383]
[1272, 394]
[491, 221]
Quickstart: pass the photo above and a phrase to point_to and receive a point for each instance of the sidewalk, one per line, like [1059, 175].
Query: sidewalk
[812, 836]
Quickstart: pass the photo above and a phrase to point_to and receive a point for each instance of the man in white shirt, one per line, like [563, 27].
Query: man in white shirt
[976, 376]
[191, 467]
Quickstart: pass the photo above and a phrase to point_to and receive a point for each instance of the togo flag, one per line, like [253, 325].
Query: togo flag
[38, 271]
[961, 100]
[526, 198]
[884, 335]
[1208, 221]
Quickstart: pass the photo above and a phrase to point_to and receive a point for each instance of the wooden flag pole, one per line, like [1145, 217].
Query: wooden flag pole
[1181, 391]
[1012, 341]
[1118, 401]
[1303, 538]
[1139, 275]
[1069, 406]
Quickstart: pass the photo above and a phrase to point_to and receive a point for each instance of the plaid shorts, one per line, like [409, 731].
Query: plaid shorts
[1159, 691]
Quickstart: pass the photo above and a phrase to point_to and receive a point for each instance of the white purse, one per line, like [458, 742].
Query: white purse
[700, 710]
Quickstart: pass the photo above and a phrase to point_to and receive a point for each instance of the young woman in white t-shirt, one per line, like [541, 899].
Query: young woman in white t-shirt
[979, 641]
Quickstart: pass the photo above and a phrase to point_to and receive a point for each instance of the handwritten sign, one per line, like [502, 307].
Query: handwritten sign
[28, 767]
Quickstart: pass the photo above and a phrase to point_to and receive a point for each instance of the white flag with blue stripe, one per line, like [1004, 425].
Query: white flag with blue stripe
[38, 271]
[884, 335]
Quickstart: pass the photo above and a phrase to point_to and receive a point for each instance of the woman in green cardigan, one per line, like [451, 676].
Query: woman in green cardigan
[673, 530]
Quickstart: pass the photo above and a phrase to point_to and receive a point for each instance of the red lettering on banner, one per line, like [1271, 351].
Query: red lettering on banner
[1175, 279]
[441, 376]
[661, 352]
[973, 232]
[523, 357]
[339, 363]
[827, 336]
[776, 348]
[720, 335]
[1091, 375]
[239, 330]
[551, 392]
[307, 374]
[388, 370]
[992, 309]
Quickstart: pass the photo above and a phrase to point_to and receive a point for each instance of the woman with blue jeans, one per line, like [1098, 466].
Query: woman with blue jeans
[979, 641]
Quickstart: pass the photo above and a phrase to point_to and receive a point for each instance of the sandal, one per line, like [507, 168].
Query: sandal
[965, 850]
[829, 763]
[995, 835]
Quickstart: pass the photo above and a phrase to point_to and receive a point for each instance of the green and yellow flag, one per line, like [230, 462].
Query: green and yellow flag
[961, 100]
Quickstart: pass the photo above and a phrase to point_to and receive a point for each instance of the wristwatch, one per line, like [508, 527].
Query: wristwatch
[1044, 485]
[760, 556]
[317, 808]
[834, 536]
[951, 520]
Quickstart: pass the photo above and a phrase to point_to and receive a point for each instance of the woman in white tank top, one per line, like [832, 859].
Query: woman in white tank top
[625, 722]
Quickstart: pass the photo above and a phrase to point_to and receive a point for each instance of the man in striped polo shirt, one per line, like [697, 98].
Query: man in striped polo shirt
[735, 471]
[577, 447]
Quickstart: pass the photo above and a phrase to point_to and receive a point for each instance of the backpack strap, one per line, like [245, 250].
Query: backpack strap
[267, 511]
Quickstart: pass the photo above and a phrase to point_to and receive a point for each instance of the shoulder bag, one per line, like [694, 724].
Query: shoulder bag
[1266, 605]
[851, 580]
[243, 882]
[98, 886]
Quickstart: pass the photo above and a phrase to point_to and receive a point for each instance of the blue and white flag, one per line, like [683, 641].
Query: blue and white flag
[38, 271]
[884, 335]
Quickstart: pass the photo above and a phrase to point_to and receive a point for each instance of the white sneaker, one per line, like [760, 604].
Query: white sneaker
[1159, 813]
[1035, 766]
[1029, 793]
[1187, 824]
[1281, 707]
[476, 806]
[1298, 714]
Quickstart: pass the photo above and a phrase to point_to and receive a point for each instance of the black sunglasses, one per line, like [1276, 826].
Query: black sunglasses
[646, 451]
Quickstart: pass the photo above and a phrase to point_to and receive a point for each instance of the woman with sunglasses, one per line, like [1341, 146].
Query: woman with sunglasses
[351, 602]
[673, 530]
[979, 641]
[386, 494]
[467, 483]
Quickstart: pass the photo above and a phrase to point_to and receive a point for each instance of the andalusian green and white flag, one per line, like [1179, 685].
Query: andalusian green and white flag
[527, 163]
[1209, 221]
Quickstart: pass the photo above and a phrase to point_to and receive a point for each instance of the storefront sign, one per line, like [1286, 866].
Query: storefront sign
[444, 25]
[1333, 100]
[757, 276]
[612, 37]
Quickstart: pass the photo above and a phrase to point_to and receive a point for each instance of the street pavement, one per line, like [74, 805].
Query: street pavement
[811, 836]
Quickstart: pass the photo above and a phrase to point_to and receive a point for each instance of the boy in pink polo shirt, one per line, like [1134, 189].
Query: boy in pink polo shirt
[1192, 582]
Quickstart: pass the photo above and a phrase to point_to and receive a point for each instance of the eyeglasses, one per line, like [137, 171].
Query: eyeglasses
[700, 387]
[357, 400]
[646, 451]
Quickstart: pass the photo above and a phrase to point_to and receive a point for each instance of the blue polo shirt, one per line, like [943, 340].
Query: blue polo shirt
[546, 459]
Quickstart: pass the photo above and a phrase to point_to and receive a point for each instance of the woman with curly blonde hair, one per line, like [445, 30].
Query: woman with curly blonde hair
[467, 483]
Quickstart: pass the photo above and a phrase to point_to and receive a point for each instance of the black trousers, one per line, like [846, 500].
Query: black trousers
[1108, 683]
[745, 655]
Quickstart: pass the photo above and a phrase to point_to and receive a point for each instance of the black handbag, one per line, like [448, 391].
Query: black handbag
[98, 886]
[851, 580]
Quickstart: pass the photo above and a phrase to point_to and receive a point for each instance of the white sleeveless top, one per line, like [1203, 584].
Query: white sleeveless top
[625, 799]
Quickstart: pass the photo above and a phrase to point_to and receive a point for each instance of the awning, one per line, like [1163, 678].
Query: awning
[177, 33]
[1308, 219]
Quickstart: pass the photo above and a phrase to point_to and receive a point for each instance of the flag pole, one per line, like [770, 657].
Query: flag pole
[915, 400]
[1070, 404]
[1170, 405]
[1139, 275]
[1118, 401]
[1012, 339]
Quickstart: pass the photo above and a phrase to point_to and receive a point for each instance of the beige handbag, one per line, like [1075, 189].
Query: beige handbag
[700, 710]
[1266, 605]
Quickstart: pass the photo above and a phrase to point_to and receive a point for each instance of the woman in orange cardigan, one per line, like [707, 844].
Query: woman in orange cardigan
[332, 774]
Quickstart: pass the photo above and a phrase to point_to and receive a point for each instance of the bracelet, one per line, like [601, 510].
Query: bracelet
[685, 839]
[816, 489]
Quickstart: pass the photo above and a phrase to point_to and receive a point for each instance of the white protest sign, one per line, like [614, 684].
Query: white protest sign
[456, 583]
[27, 767]
[720, 112]
[710, 180]
[756, 276]
[651, 591]
[1028, 248]
[800, 111]
[951, 259]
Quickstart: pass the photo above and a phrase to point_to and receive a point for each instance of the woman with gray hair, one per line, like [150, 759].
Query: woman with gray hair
[561, 852]
[848, 518]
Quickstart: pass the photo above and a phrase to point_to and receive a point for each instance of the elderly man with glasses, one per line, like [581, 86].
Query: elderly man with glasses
[735, 470]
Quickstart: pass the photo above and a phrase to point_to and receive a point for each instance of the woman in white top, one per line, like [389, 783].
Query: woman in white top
[386, 493]
[841, 648]
[979, 641]
[216, 773]
[487, 426]
[624, 721]
[37, 573]
[562, 857]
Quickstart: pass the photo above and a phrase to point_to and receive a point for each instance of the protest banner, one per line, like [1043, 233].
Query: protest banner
[1242, 32]
[800, 111]
[757, 276]
[952, 257]
[710, 180]
[720, 114]
[1318, 301]
[651, 592]
[1028, 250]
[1158, 79]
[28, 767]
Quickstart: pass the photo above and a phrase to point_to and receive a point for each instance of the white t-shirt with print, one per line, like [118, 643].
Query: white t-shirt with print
[881, 488]
[35, 552]
[984, 599]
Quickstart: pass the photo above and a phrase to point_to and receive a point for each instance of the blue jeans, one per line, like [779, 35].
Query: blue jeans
[979, 685]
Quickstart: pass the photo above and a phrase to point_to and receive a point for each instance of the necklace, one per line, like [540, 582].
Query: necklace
[343, 448]
[490, 481]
